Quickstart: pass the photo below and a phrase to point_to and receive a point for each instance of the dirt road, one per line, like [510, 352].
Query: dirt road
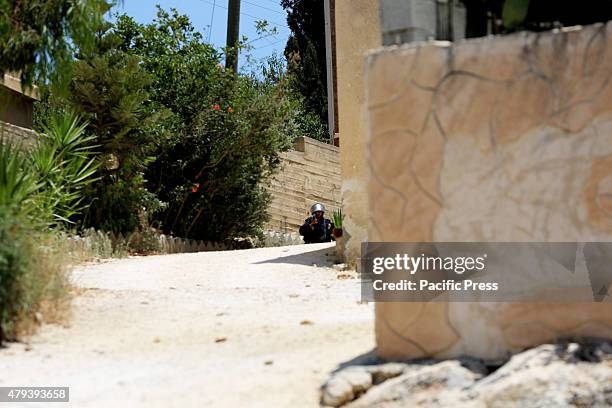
[260, 327]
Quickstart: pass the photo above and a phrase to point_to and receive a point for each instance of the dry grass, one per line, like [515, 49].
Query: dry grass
[44, 287]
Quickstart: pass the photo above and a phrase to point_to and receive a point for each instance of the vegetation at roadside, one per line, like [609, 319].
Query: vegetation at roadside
[39, 37]
[306, 62]
[185, 144]
[39, 189]
[142, 130]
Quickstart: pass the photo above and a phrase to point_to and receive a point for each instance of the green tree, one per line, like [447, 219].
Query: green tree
[227, 131]
[306, 63]
[38, 189]
[110, 89]
[38, 38]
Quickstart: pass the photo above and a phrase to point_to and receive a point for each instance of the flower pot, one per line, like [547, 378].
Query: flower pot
[337, 232]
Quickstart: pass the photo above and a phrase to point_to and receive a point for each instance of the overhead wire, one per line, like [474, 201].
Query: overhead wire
[263, 7]
[212, 20]
[250, 15]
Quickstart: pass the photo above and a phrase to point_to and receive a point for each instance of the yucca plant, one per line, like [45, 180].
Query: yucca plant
[19, 189]
[337, 218]
[18, 181]
[65, 164]
[38, 188]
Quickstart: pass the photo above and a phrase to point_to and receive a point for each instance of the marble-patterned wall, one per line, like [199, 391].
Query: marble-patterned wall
[493, 139]
[357, 31]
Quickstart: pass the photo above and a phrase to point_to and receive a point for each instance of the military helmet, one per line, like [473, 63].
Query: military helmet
[317, 207]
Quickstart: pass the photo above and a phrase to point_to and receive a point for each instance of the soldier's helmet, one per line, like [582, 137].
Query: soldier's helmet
[317, 207]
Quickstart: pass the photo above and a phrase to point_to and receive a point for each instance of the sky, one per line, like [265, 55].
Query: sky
[213, 25]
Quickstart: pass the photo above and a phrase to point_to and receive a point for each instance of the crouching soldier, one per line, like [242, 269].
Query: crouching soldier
[317, 228]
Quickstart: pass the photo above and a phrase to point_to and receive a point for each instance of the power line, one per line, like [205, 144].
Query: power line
[212, 19]
[250, 15]
[269, 45]
[263, 7]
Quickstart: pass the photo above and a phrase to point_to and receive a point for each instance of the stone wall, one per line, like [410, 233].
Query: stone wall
[17, 134]
[16, 103]
[357, 31]
[493, 139]
[309, 173]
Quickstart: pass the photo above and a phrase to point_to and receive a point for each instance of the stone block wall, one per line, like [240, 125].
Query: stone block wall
[309, 173]
[17, 134]
[492, 139]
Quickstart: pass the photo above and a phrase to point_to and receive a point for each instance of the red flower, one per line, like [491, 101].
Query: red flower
[195, 188]
[230, 109]
[216, 107]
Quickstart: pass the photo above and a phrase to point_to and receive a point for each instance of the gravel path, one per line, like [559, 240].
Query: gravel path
[260, 327]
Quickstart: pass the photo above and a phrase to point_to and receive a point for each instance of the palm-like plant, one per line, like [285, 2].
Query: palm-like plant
[337, 217]
[18, 183]
[64, 163]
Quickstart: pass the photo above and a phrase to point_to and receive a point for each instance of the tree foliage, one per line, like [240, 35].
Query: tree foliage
[306, 61]
[110, 89]
[38, 189]
[224, 131]
[505, 16]
[38, 38]
[177, 132]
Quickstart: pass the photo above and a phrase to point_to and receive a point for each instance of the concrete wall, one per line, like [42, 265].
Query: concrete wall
[17, 134]
[492, 139]
[357, 30]
[16, 104]
[309, 173]
[420, 20]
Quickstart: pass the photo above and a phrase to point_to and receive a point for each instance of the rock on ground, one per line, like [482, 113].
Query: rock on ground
[551, 375]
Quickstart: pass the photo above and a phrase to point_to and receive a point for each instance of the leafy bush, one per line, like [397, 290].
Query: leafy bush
[38, 189]
[39, 37]
[226, 131]
[63, 161]
[32, 274]
[110, 89]
[15, 256]
[18, 181]
[184, 145]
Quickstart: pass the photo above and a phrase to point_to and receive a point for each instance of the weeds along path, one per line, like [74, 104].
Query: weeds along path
[260, 327]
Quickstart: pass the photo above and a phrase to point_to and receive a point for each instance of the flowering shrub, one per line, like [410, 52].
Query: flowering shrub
[184, 143]
[224, 131]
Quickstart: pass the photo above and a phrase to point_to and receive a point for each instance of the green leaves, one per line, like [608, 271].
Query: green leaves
[337, 218]
[514, 12]
[18, 181]
[46, 183]
[38, 37]
[65, 163]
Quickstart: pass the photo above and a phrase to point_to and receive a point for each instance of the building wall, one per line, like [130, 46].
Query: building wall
[420, 20]
[15, 108]
[494, 139]
[16, 134]
[16, 104]
[309, 173]
[357, 31]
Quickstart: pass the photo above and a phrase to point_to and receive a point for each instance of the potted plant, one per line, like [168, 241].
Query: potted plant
[337, 233]
[337, 218]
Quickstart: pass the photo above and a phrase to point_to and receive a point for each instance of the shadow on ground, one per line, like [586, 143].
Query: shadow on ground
[365, 359]
[319, 257]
